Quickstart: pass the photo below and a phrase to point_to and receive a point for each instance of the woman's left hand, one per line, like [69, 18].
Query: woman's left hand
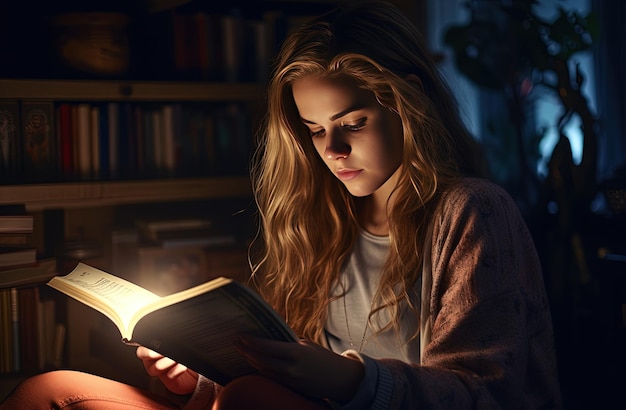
[304, 366]
[176, 377]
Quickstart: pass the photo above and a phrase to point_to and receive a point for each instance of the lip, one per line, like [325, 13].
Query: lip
[348, 174]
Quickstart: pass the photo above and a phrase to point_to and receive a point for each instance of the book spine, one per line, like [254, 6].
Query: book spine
[10, 153]
[46, 322]
[103, 141]
[95, 141]
[180, 55]
[66, 140]
[233, 46]
[38, 151]
[15, 329]
[29, 329]
[169, 150]
[6, 341]
[113, 117]
[157, 140]
[140, 137]
[84, 140]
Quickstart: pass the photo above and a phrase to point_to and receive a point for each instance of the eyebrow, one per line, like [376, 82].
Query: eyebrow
[339, 114]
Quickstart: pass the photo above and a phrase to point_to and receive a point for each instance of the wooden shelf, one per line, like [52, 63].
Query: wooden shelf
[68, 195]
[79, 90]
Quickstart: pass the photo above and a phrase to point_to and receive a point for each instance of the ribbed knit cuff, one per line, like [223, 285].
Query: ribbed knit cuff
[375, 389]
[204, 395]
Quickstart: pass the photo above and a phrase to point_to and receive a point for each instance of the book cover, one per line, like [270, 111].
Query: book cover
[10, 155]
[38, 145]
[195, 327]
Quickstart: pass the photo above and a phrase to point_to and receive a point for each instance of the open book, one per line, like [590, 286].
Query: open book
[195, 327]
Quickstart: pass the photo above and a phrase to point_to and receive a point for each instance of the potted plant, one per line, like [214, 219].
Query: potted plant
[507, 47]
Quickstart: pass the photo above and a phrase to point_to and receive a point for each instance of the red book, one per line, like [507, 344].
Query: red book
[180, 54]
[66, 146]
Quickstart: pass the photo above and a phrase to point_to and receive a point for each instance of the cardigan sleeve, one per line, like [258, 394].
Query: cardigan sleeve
[491, 343]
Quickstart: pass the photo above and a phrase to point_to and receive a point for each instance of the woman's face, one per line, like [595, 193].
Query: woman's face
[359, 140]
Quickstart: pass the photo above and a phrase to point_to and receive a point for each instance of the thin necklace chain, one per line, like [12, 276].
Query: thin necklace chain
[345, 310]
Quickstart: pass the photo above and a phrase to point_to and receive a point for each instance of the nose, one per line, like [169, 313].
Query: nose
[336, 146]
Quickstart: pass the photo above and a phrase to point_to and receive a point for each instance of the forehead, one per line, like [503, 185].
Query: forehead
[329, 94]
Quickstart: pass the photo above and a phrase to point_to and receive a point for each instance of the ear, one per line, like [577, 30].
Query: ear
[414, 80]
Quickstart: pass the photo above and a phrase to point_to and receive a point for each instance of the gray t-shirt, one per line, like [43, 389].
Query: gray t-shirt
[360, 277]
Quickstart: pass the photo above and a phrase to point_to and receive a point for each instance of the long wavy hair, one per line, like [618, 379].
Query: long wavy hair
[308, 222]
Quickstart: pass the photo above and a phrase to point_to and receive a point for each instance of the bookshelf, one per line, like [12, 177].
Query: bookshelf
[91, 207]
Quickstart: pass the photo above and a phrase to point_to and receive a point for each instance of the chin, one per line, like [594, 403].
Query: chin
[359, 192]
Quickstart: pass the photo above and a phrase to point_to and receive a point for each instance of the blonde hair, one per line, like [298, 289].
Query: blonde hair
[308, 222]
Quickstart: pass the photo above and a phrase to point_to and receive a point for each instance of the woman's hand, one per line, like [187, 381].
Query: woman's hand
[176, 377]
[306, 367]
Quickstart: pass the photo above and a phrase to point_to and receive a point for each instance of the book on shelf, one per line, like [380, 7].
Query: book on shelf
[16, 224]
[91, 140]
[160, 229]
[65, 137]
[10, 153]
[13, 239]
[195, 327]
[31, 339]
[17, 256]
[36, 273]
[38, 140]
[9, 343]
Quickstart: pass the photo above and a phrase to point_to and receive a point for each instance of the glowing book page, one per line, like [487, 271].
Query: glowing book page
[197, 327]
[116, 298]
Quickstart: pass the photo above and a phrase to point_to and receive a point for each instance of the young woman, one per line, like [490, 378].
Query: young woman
[412, 283]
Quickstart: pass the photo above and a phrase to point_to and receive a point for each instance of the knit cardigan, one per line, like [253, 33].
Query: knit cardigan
[486, 326]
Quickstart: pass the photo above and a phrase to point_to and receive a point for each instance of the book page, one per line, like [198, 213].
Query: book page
[116, 298]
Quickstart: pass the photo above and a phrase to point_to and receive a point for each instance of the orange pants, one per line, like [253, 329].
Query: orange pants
[72, 390]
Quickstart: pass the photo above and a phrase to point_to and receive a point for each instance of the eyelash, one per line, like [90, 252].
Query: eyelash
[352, 128]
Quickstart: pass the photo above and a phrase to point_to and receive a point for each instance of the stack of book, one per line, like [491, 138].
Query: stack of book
[28, 327]
[15, 228]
